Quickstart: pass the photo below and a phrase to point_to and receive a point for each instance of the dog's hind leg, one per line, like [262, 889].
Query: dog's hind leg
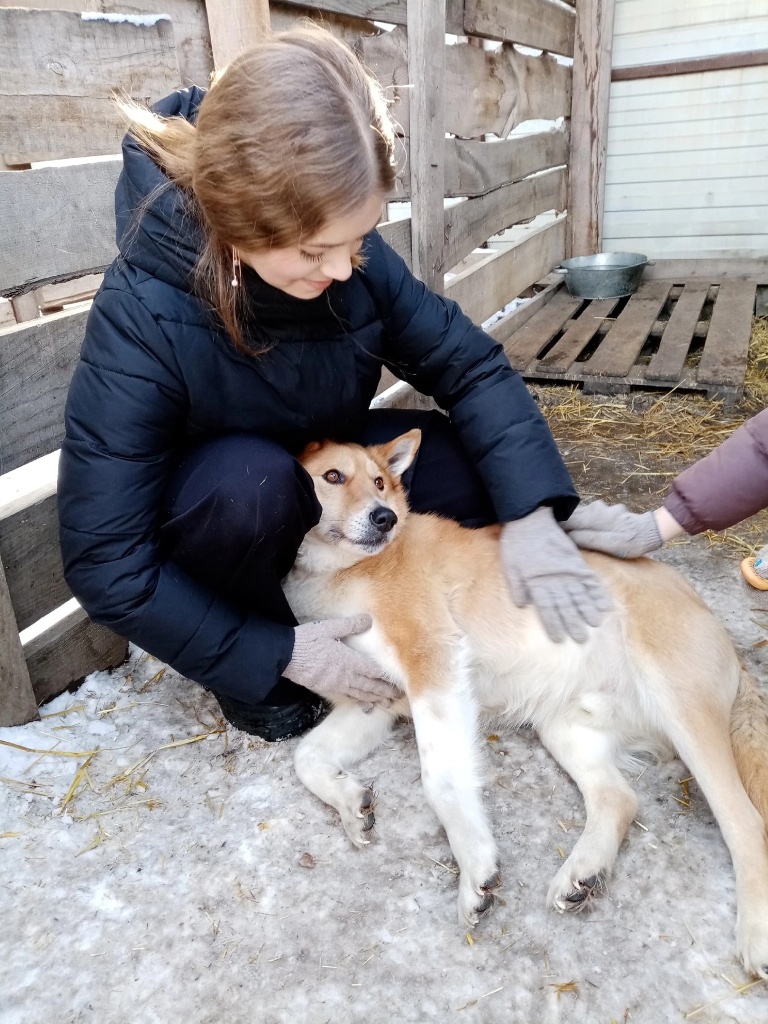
[700, 732]
[587, 755]
[445, 720]
[324, 757]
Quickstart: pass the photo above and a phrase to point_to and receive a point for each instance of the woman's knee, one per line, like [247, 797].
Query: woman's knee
[238, 491]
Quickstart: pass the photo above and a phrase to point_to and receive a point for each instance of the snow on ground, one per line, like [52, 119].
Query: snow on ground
[158, 881]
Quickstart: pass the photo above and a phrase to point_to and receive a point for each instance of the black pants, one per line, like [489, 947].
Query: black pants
[239, 506]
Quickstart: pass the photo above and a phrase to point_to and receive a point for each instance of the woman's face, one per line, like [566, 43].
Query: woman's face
[305, 270]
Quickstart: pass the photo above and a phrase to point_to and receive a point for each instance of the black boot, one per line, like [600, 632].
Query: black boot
[289, 710]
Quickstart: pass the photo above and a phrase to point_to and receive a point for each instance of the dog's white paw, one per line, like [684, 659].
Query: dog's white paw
[573, 890]
[476, 899]
[752, 941]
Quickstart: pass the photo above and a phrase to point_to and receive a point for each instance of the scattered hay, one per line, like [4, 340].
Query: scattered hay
[756, 380]
[81, 778]
[125, 775]
[736, 990]
[53, 750]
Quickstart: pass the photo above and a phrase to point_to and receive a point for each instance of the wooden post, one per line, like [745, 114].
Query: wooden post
[26, 307]
[426, 73]
[589, 125]
[17, 698]
[235, 25]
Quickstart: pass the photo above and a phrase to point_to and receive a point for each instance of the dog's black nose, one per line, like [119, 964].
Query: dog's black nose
[383, 518]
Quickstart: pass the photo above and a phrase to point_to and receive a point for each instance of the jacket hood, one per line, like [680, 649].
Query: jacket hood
[155, 230]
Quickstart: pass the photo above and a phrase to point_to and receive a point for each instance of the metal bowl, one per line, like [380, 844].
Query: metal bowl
[606, 275]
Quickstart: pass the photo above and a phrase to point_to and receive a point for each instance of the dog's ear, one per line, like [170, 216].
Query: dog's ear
[313, 446]
[401, 452]
[310, 449]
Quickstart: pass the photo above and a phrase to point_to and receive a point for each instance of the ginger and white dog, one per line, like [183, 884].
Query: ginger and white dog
[660, 675]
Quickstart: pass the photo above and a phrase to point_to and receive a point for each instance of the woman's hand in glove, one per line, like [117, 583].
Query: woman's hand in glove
[544, 568]
[614, 530]
[325, 665]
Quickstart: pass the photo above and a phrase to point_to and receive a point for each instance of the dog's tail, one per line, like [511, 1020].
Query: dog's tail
[749, 736]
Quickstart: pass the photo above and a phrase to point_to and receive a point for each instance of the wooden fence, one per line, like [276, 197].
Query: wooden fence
[58, 71]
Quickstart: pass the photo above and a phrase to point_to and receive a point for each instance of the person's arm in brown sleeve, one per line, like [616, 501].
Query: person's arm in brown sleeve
[726, 486]
[722, 489]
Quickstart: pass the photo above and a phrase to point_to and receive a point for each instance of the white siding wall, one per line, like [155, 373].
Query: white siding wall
[687, 164]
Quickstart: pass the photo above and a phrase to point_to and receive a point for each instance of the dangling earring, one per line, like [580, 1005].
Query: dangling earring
[235, 269]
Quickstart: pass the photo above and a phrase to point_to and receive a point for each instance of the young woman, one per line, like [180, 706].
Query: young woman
[250, 311]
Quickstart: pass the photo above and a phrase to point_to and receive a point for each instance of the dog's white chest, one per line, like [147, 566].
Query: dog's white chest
[312, 599]
[307, 596]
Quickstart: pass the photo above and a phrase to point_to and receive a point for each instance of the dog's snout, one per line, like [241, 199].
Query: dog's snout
[383, 518]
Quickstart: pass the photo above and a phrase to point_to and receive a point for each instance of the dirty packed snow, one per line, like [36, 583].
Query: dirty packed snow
[158, 868]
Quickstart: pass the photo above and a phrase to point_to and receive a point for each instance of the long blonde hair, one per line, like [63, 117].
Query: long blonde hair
[293, 132]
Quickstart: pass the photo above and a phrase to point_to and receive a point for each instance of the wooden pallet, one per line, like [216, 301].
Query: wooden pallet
[690, 336]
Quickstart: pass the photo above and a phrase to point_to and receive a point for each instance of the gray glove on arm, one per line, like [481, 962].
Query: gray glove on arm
[614, 530]
[325, 665]
[544, 568]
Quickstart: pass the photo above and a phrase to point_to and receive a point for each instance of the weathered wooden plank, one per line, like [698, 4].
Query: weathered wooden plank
[26, 307]
[503, 330]
[534, 336]
[469, 224]
[494, 91]
[234, 25]
[485, 92]
[29, 540]
[34, 481]
[190, 29]
[691, 65]
[426, 63]
[58, 223]
[36, 366]
[487, 287]
[7, 319]
[474, 168]
[668, 361]
[17, 698]
[589, 125]
[707, 270]
[724, 357]
[67, 652]
[393, 12]
[59, 71]
[536, 23]
[578, 336]
[29, 548]
[289, 15]
[397, 233]
[54, 297]
[621, 346]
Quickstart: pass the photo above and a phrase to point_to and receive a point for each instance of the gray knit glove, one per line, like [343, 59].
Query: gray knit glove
[325, 665]
[614, 530]
[544, 568]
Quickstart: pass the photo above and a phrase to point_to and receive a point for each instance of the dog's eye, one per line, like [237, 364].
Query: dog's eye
[334, 476]
[379, 483]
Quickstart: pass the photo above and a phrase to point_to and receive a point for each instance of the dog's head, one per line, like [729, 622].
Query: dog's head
[363, 500]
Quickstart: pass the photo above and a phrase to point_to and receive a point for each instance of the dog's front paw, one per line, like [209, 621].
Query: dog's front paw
[752, 942]
[570, 895]
[476, 900]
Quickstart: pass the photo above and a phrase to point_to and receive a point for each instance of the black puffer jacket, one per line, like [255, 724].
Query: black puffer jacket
[156, 373]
